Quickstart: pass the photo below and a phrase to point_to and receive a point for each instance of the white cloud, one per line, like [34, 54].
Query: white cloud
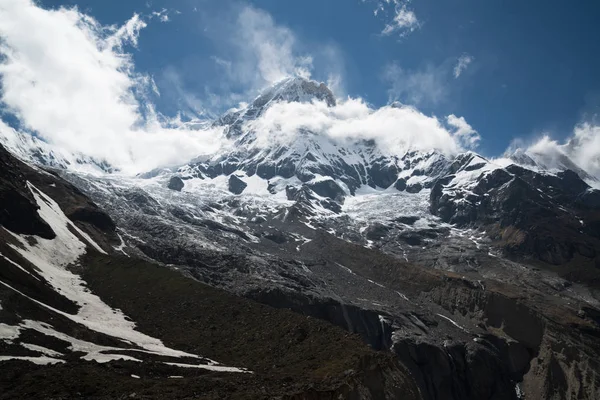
[580, 150]
[404, 22]
[462, 64]
[268, 51]
[253, 51]
[466, 136]
[584, 148]
[70, 80]
[403, 19]
[396, 129]
[128, 33]
[162, 15]
[427, 86]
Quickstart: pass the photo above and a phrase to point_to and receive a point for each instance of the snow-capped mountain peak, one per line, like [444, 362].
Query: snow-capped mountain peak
[296, 89]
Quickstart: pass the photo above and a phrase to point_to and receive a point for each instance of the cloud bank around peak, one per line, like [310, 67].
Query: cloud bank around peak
[395, 128]
[581, 148]
[71, 82]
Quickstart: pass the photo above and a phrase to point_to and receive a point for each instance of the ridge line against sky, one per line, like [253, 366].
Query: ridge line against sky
[245, 48]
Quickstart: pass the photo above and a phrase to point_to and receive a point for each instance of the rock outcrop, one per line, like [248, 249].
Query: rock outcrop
[236, 185]
[176, 183]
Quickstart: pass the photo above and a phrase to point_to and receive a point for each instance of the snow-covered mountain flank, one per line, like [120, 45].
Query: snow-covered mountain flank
[480, 276]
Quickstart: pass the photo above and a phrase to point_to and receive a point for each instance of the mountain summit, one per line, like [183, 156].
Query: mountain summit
[296, 89]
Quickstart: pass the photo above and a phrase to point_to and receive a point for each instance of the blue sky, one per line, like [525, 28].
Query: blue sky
[534, 64]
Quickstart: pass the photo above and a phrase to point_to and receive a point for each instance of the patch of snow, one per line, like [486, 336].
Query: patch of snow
[122, 246]
[383, 321]
[452, 322]
[256, 186]
[43, 350]
[9, 332]
[35, 360]
[403, 296]
[131, 236]
[18, 266]
[376, 284]
[93, 351]
[304, 242]
[216, 368]
[345, 268]
[519, 392]
[310, 226]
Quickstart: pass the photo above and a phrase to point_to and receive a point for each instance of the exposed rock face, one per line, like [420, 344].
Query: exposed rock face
[176, 183]
[305, 200]
[328, 188]
[93, 216]
[400, 185]
[19, 211]
[236, 185]
[291, 356]
[519, 209]
[460, 370]
[537, 330]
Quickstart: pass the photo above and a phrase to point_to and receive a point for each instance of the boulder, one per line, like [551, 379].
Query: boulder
[400, 184]
[175, 183]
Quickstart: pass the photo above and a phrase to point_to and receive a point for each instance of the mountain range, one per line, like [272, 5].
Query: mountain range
[298, 265]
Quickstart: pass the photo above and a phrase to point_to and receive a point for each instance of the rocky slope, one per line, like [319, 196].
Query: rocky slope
[68, 302]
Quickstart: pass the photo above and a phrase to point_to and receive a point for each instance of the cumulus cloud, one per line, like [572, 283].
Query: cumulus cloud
[462, 64]
[427, 86]
[71, 82]
[396, 129]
